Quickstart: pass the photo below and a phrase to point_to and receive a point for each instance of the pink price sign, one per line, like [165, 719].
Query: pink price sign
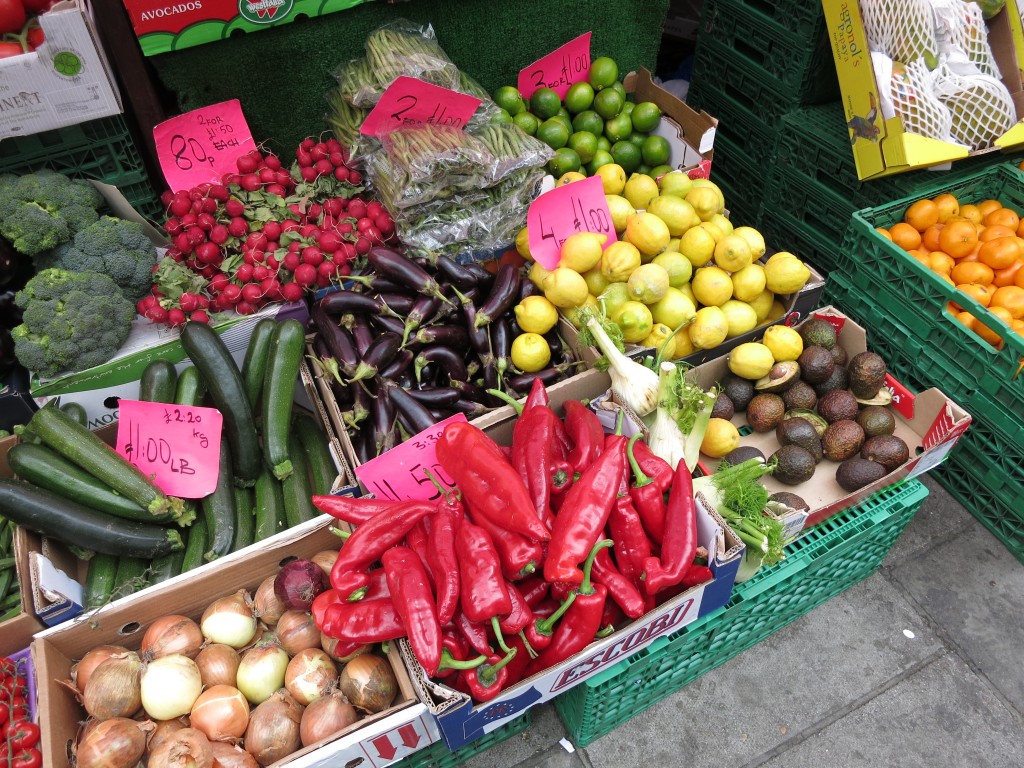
[409, 101]
[177, 445]
[558, 70]
[564, 211]
[399, 473]
[202, 145]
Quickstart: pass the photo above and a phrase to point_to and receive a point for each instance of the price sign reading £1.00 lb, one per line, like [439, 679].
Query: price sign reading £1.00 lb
[178, 446]
[577, 207]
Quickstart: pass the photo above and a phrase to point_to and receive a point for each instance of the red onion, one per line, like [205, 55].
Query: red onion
[298, 583]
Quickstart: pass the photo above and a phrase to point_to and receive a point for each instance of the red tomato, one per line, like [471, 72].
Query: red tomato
[22, 735]
[38, 6]
[12, 16]
[29, 758]
[7, 50]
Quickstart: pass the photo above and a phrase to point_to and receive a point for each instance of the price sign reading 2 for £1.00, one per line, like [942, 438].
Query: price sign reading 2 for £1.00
[409, 101]
[178, 446]
[577, 207]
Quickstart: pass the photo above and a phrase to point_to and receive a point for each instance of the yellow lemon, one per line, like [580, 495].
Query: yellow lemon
[582, 251]
[530, 352]
[698, 245]
[647, 283]
[661, 339]
[748, 283]
[713, 229]
[674, 310]
[536, 314]
[676, 183]
[640, 189]
[565, 288]
[754, 239]
[596, 281]
[569, 177]
[780, 255]
[712, 286]
[613, 297]
[785, 343]
[732, 253]
[523, 244]
[619, 260]
[751, 360]
[709, 328]
[620, 210]
[687, 291]
[704, 201]
[537, 274]
[679, 268]
[762, 304]
[740, 316]
[576, 315]
[673, 245]
[648, 233]
[635, 321]
[683, 345]
[613, 178]
[785, 275]
[776, 312]
[708, 184]
[722, 223]
[675, 212]
[720, 438]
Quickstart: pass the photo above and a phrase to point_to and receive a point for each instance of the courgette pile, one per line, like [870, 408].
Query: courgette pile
[73, 487]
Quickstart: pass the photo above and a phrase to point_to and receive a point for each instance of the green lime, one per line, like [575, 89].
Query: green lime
[601, 157]
[603, 72]
[545, 103]
[565, 160]
[527, 122]
[563, 112]
[608, 103]
[566, 122]
[502, 116]
[646, 116]
[620, 89]
[627, 155]
[579, 97]
[603, 144]
[627, 107]
[618, 128]
[585, 145]
[644, 169]
[588, 121]
[655, 150]
[553, 133]
[637, 138]
[510, 99]
[660, 170]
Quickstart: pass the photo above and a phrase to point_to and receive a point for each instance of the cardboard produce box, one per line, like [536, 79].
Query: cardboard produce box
[375, 740]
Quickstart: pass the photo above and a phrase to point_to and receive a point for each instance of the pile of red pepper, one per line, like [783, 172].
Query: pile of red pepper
[542, 547]
[19, 745]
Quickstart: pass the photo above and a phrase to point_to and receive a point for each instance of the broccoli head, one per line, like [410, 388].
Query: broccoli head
[115, 247]
[70, 321]
[45, 209]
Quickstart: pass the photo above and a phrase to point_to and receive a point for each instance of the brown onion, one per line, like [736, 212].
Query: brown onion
[296, 631]
[218, 664]
[164, 729]
[115, 688]
[261, 671]
[171, 634]
[81, 671]
[310, 674]
[231, 756]
[273, 731]
[331, 646]
[325, 559]
[369, 682]
[187, 748]
[221, 712]
[325, 717]
[266, 603]
[170, 686]
[230, 620]
[116, 742]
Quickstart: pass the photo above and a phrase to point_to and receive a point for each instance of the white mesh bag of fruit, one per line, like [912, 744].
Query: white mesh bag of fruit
[981, 107]
[910, 96]
[904, 30]
[962, 34]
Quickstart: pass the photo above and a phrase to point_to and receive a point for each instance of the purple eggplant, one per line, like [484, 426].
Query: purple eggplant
[414, 415]
[454, 336]
[502, 296]
[456, 274]
[399, 365]
[381, 352]
[338, 342]
[436, 397]
[363, 333]
[399, 303]
[350, 302]
[450, 363]
[422, 310]
[471, 408]
[397, 268]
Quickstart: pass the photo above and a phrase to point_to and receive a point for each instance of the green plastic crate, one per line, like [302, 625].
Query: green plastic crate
[817, 207]
[739, 177]
[437, 755]
[805, 20]
[828, 559]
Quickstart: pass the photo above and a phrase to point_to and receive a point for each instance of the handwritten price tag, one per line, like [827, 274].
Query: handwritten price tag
[559, 69]
[177, 445]
[555, 215]
[409, 101]
[398, 474]
[202, 145]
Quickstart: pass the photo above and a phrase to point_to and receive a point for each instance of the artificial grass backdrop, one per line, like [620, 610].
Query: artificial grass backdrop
[280, 75]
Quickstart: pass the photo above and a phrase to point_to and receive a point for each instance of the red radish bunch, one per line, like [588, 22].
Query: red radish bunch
[266, 234]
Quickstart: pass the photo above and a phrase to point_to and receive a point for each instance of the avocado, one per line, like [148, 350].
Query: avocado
[780, 378]
[816, 421]
[765, 412]
[876, 420]
[818, 332]
[837, 380]
[866, 372]
[739, 390]
[794, 465]
[842, 440]
[887, 450]
[839, 355]
[816, 364]
[741, 454]
[724, 409]
[882, 397]
[837, 405]
[791, 500]
[800, 395]
[853, 474]
[799, 432]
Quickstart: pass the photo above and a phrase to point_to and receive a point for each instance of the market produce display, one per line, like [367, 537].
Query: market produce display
[20, 735]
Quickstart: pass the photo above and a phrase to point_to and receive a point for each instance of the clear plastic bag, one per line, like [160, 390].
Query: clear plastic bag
[962, 31]
[404, 48]
[357, 83]
[981, 107]
[911, 91]
[512, 149]
[435, 152]
[904, 30]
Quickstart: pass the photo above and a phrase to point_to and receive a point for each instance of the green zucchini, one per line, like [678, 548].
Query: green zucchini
[322, 468]
[77, 412]
[191, 388]
[245, 519]
[166, 567]
[219, 509]
[132, 575]
[51, 515]
[158, 382]
[99, 580]
[211, 356]
[255, 362]
[269, 505]
[46, 468]
[80, 446]
[298, 505]
[282, 372]
[195, 547]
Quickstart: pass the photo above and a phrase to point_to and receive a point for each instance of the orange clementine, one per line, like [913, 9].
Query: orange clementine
[1002, 217]
[883, 232]
[948, 279]
[1003, 277]
[1018, 278]
[971, 213]
[905, 236]
[971, 272]
[1020, 228]
[965, 318]
[1017, 326]
[987, 206]
[922, 214]
[940, 262]
[980, 293]
[958, 238]
[947, 205]
[995, 231]
[1000, 253]
[987, 333]
[920, 255]
[930, 237]
[1010, 298]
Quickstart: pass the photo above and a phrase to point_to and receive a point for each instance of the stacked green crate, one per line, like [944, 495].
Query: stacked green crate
[437, 755]
[828, 559]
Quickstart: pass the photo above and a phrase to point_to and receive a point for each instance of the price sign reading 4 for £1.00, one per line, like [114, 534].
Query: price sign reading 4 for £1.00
[577, 207]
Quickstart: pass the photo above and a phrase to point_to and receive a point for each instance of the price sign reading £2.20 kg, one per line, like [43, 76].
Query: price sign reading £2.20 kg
[577, 207]
[178, 446]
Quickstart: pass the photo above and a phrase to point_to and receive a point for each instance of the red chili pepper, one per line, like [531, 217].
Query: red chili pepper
[524, 653]
[364, 621]
[414, 601]
[444, 562]
[474, 633]
[647, 495]
[483, 594]
[540, 632]
[632, 547]
[352, 585]
[355, 511]
[322, 602]
[584, 514]
[490, 484]
[533, 590]
[653, 465]
[611, 618]
[620, 589]
[519, 556]
[378, 586]
[372, 539]
[418, 541]
[587, 435]
[515, 620]
[545, 608]
[487, 681]
[680, 543]
[538, 452]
